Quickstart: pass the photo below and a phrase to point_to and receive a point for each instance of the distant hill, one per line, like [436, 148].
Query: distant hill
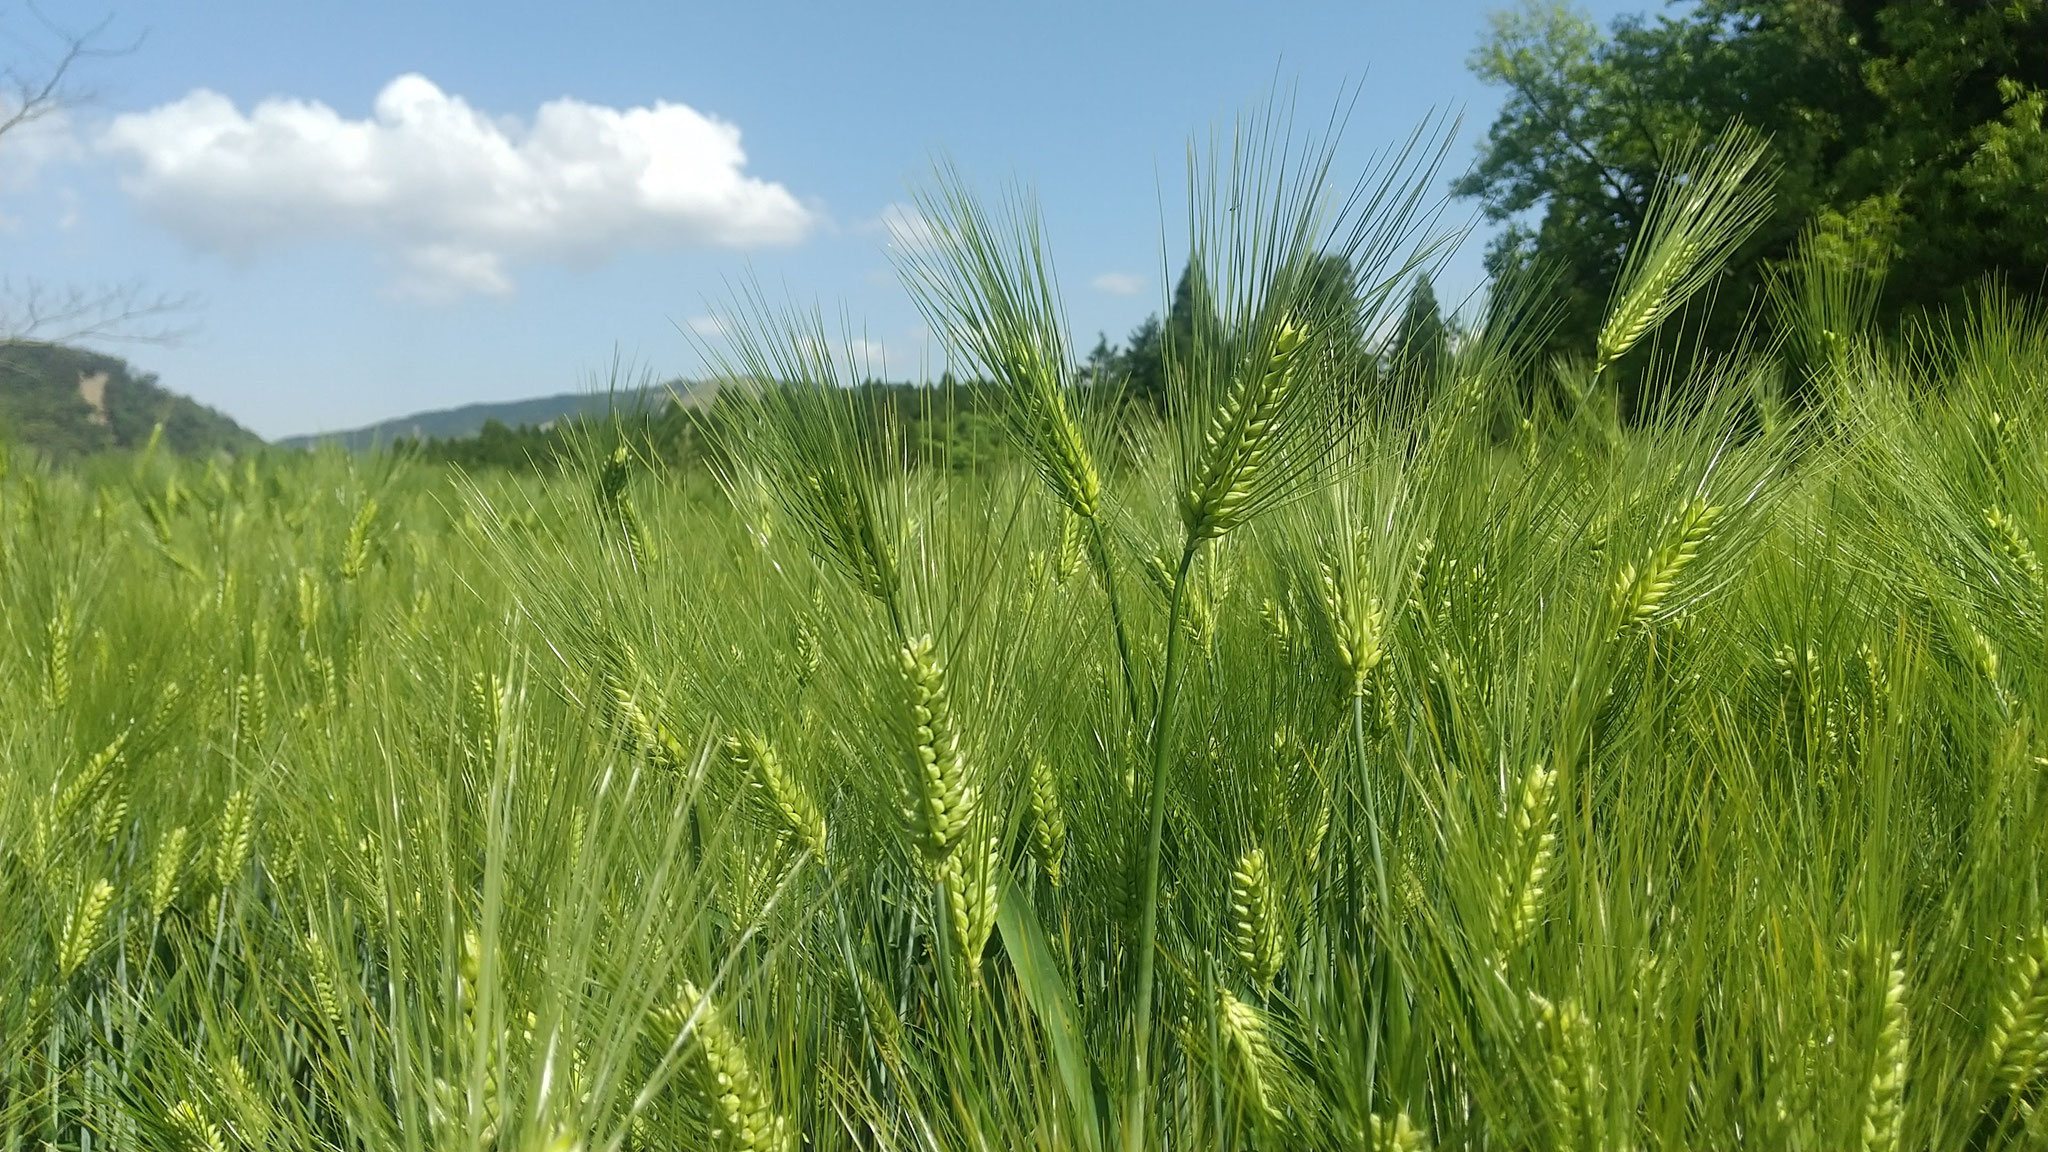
[468, 420]
[70, 402]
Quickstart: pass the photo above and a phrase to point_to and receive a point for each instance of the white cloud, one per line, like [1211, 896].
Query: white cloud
[460, 196]
[709, 327]
[1118, 283]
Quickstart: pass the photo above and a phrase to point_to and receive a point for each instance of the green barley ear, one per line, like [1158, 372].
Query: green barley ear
[58, 684]
[647, 736]
[252, 711]
[1048, 821]
[91, 782]
[355, 552]
[110, 812]
[1576, 1088]
[2013, 542]
[880, 1008]
[310, 601]
[326, 977]
[1884, 1108]
[1532, 850]
[1398, 1135]
[164, 869]
[1356, 622]
[195, 1129]
[82, 926]
[1051, 431]
[1254, 919]
[617, 510]
[968, 880]
[1072, 550]
[1418, 571]
[237, 831]
[941, 806]
[986, 284]
[792, 805]
[745, 1121]
[1984, 660]
[799, 425]
[1250, 1044]
[942, 797]
[1240, 438]
[167, 701]
[1708, 202]
[2018, 1047]
[810, 653]
[1639, 594]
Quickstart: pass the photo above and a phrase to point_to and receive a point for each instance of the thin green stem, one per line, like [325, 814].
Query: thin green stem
[1099, 546]
[1137, 1091]
[1384, 899]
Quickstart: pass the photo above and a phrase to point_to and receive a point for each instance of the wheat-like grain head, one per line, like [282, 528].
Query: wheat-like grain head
[1532, 850]
[2017, 1047]
[798, 814]
[1255, 935]
[745, 1119]
[1048, 821]
[234, 837]
[942, 796]
[1240, 437]
[1710, 200]
[82, 926]
[1640, 593]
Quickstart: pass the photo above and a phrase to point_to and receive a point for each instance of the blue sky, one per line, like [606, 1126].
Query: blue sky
[385, 207]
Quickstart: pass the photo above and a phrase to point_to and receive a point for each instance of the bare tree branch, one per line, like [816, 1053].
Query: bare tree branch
[34, 85]
[129, 313]
[32, 93]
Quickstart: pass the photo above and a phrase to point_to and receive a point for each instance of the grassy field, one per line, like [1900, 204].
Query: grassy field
[1304, 770]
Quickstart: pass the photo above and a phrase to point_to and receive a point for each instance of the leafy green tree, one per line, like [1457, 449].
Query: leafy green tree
[1910, 130]
[1421, 342]
[1332, 305]
[1143, 364]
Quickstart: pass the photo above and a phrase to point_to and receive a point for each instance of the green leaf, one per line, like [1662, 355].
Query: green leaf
[1038, 977]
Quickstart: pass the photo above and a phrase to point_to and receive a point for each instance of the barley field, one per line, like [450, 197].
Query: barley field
[1464, 767]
